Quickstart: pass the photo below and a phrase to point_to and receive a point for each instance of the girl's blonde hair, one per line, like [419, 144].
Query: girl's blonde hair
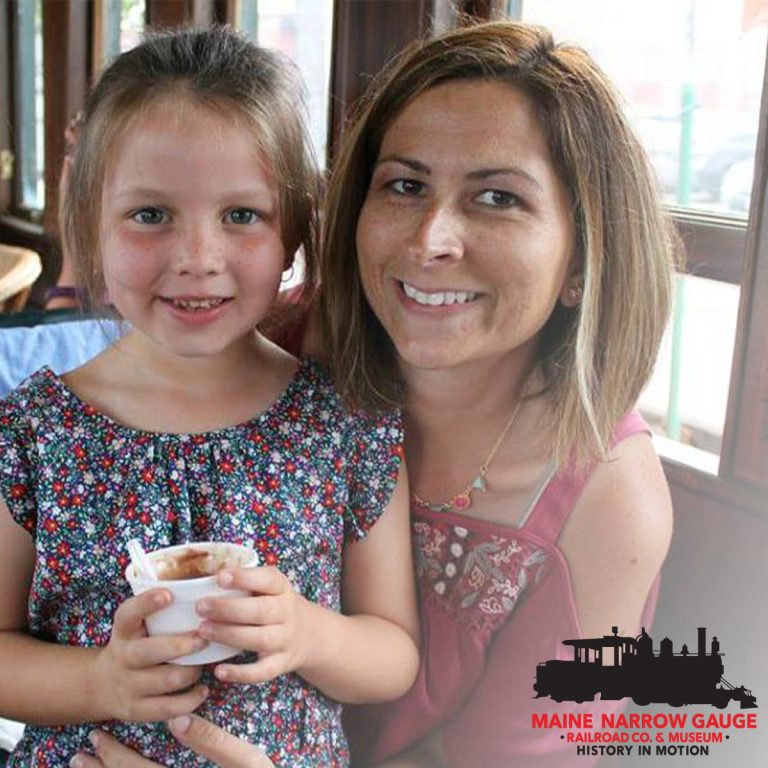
[595, 358]
[215, 68]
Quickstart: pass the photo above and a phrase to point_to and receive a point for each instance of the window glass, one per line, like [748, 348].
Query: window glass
[301, 29]
[691, 72]
[132, 16]
[687, 397]
[29, 106]
[122, 27]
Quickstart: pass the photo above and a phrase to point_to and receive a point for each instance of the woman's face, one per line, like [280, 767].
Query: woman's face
[465, 240]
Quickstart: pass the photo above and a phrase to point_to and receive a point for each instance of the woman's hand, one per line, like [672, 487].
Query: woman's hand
[224, 749]
[272, 622]
[130, 677]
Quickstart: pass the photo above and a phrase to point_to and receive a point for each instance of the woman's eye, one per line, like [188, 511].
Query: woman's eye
[149, 216]
[242, 216]
[498, 198]
[408, 187]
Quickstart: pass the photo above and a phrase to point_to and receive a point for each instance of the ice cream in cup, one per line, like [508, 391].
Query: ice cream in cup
[188, 572]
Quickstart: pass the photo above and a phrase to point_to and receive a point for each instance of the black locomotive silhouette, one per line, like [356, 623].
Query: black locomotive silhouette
[632, 669]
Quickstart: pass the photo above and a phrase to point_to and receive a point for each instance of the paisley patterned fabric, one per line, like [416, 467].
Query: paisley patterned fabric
[475, 576]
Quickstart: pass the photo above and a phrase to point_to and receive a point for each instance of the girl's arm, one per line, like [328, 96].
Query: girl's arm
[372, 654]
[49, 684]
[367, 654]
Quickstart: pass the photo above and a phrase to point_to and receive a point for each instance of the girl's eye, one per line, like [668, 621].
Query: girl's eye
[407, 187]
[149, 216]
[498, 198]
[242, 216]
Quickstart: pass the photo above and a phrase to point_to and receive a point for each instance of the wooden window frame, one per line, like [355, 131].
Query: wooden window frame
[365, 36]
[733, 251]
[66, 46]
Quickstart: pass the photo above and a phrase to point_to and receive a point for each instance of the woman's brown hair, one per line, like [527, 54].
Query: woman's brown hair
[595, 358]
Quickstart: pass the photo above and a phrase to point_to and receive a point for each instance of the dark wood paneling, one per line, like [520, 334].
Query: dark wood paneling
[6, 102]
[66, 57]
[366, 34]
[714, 247]
[174, 13]
[717, 490]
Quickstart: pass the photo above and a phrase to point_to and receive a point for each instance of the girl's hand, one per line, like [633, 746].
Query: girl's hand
[273, 622]
[132, 680]
[224, 749]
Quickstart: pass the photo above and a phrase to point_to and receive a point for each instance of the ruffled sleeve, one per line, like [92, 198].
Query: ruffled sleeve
[374, 448]
[17, 468]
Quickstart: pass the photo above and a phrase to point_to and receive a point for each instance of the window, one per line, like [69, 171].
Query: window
[301, 29]
[30, 152]
[692, 83]
[118, 26]
[693, 86]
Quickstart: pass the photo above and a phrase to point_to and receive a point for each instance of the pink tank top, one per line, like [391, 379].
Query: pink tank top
[495, 601]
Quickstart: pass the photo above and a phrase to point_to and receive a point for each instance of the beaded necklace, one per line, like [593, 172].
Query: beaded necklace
[463, 500]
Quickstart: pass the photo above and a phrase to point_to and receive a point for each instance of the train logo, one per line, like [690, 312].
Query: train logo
[617, 667]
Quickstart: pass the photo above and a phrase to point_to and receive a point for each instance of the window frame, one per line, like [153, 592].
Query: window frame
[66, 46]
[6, 101]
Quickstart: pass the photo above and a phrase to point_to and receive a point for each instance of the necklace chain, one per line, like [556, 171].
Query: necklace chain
[463, 499]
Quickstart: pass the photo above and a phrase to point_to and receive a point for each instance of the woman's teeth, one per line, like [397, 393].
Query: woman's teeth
[440, 298]
[197, 304]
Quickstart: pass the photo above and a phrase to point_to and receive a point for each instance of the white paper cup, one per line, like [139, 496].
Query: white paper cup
[180, 616]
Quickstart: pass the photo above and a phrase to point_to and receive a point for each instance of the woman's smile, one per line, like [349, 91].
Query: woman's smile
[434, 299]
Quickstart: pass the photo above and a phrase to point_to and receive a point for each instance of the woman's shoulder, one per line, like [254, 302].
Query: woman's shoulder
[618, 534]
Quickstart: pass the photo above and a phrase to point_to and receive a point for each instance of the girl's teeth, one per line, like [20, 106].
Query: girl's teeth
[439, 298]
[197, 304]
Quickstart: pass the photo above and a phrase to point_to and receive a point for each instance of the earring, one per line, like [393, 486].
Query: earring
[286, 278]
[573, 294]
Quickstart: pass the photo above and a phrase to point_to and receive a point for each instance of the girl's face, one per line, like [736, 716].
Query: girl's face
[190, 233]
[465, 239]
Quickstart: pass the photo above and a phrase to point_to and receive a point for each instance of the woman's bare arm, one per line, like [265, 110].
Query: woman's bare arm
[617, 537]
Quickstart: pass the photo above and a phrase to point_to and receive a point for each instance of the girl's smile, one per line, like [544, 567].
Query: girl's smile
[197, 310]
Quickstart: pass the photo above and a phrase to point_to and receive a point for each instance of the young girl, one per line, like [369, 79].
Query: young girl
[190, 191]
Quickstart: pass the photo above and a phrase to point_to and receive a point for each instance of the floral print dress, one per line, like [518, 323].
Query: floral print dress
[296, 483]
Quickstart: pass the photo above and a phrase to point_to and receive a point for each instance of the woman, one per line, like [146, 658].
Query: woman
[496, 224]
